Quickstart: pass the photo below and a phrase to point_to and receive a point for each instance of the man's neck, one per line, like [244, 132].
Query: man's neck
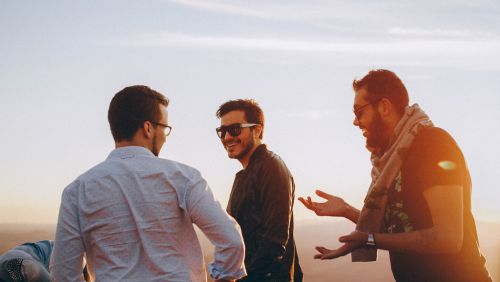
[246, 159]
[389, 132]
[132, 142]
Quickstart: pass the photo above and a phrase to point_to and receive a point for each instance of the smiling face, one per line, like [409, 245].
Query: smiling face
[242, 146]
[369, 120]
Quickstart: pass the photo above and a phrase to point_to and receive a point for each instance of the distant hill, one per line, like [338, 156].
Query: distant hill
[15, 234]
[308, 235]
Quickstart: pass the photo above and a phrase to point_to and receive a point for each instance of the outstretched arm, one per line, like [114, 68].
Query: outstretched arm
[334, 206]
[445, 236]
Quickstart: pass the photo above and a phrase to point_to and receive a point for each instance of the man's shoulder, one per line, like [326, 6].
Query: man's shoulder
[434, 143]
[433, 132]
[112, 167]
[145, 164]
[90, 174]
[93, 172]
[271, 162]
[266, 155]
[433, 137]
[171, 165]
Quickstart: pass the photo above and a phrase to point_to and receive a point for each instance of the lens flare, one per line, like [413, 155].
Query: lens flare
[447, 165]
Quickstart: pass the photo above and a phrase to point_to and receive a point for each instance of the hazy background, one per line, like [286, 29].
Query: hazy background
[62, 61]
[307, 236]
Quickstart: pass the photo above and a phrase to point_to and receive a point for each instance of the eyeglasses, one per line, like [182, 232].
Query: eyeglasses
[233, 129]
[357, 112]
[168, 128]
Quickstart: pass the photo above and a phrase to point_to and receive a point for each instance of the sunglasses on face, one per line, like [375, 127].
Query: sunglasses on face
[358, 111]
[233, 129]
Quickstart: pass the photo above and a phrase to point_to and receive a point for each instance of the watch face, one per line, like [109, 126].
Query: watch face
[371, 240]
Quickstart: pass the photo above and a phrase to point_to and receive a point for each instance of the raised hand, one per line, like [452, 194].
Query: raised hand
[334, 206]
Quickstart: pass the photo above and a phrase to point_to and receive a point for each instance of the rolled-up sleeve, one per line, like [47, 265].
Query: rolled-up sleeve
[66, 263]
[220, 228]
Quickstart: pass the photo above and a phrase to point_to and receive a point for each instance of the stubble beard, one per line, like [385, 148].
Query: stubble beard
[245, 150]
[154, 148]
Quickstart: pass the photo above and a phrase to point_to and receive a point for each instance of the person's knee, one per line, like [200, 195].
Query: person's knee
[33, 271]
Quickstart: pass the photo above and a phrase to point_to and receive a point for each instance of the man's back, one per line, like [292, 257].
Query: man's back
[134, 214]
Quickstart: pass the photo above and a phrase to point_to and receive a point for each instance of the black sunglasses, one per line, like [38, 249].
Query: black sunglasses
[233, 129]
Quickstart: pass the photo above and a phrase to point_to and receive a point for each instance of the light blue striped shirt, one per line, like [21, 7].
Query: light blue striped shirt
[132, 217]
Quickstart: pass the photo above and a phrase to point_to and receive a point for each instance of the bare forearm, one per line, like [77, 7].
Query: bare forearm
[426, 241]
[352, 213]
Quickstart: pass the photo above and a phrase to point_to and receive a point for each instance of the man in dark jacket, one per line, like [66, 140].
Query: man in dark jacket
[262, 196]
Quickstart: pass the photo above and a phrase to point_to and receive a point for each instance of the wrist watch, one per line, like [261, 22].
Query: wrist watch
[371, 240]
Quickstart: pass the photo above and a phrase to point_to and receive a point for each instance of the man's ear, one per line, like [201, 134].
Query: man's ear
[258, 130]
[147, 130]
[385, 107]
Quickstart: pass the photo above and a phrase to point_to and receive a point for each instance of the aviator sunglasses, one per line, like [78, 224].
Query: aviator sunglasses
[233, 129]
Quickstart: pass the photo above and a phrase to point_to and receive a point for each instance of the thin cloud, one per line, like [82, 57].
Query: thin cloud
[222, 8]
[268, 10]
[439, 33]
[256, 43]
[327, 13]
[479, 3]
[448, 47]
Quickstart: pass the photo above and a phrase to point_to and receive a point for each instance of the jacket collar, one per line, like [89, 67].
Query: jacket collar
[257, 154]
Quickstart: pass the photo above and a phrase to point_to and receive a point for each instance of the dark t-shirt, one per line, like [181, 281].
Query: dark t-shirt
[433, 159]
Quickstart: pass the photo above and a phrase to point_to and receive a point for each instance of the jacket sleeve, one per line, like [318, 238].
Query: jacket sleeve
[220, 228]
[276, 196]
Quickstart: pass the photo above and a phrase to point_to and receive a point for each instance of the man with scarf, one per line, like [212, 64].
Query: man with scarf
[418, 203]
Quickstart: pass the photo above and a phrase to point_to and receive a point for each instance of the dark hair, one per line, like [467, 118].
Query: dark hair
[131, 107]
[252, 110]
[384, 84]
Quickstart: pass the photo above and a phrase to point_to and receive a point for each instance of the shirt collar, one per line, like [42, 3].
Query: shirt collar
[130, 152]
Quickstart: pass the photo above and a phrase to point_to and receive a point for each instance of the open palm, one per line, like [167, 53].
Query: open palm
[334, 206]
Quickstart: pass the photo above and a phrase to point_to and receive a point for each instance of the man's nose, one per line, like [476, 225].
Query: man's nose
[227, 137]
[355, 122]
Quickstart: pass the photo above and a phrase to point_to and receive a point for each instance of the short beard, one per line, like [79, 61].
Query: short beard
[378, 139]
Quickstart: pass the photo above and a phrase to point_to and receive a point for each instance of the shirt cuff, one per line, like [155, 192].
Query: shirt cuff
[215, 273]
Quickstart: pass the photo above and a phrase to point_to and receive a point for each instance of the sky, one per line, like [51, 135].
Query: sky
[61, 62]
